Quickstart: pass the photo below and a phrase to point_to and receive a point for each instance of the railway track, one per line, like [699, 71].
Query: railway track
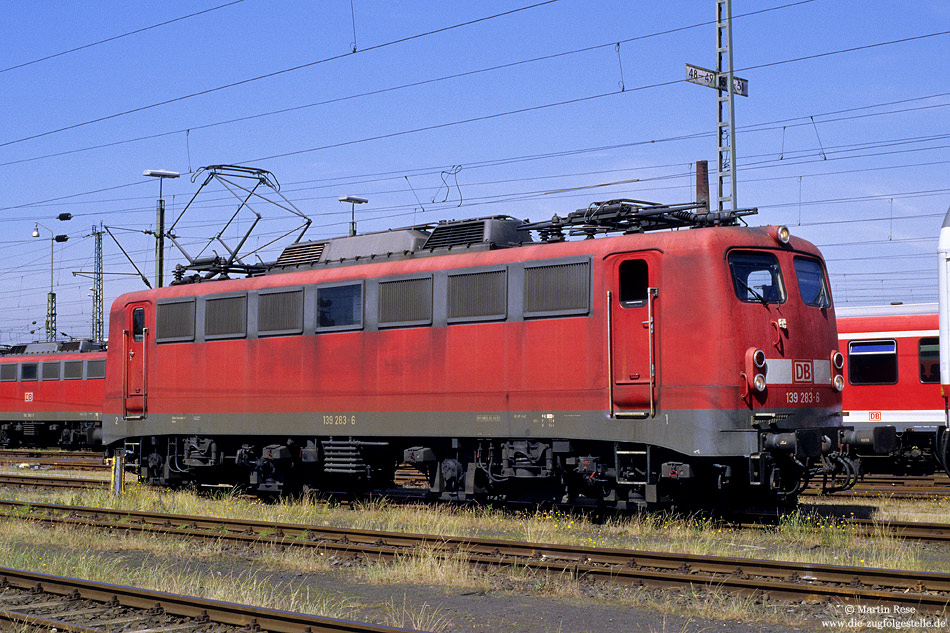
[897, 487]
[55, 603]
[44, 481]
[60, 460]
[924, 591]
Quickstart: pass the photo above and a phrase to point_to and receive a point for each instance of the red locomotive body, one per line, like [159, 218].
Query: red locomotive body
[51, 395]
[633, 369]
[892, 367]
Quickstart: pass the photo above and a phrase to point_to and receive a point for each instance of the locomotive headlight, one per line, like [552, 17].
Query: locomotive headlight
[759, 382]
[758, 358]
[783, 235]
[838, 382]
[837, 359]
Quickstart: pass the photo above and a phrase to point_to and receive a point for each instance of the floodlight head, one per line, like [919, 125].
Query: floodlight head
[36, 231]
[353, 199]
[160, 173]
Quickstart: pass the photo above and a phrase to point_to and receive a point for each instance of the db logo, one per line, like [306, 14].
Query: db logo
[874, 416]
[28, 396]
[802, 371]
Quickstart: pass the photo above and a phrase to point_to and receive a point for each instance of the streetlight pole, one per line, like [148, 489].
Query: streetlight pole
[161, 174]
[51, 297]
[353, 200]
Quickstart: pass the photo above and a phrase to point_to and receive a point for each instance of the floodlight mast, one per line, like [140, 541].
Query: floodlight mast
[353, 200]
[161, 174]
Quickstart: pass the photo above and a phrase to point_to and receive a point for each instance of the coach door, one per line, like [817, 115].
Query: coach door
[134, 345]
[632, 296]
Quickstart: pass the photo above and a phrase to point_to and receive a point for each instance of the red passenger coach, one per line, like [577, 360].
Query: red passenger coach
[893, 371]
[635, 369]
[51, 394]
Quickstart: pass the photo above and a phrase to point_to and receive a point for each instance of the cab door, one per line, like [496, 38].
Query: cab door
[632, 315]
[135, 346]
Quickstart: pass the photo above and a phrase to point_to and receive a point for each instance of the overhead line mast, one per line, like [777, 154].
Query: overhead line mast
[727, 86]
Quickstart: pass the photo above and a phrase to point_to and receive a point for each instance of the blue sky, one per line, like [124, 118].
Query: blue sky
[850, 148]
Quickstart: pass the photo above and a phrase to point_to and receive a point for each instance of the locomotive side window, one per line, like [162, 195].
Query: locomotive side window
[634, 281]
[478, 296]
[340, 307]
[8, 372]
[928, 354]
[95, 369]
[872, 362]
[175, 321]
[28, 371]
[557, 290]
[50, 371]
[280, 312]
[405, 302]
[138, 324]
[756, 277]
[811, 282]
[226, 317]
[72, 369]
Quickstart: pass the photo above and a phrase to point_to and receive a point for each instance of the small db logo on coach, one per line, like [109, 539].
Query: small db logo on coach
[28, 396]
[802, 371]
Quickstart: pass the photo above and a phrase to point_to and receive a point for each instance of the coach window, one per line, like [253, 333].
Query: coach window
[872, 362]
[756, 277]
[28, 371]
[928, 354]
[811, 282]
[138, 324]
[340, 307]
[634, 281]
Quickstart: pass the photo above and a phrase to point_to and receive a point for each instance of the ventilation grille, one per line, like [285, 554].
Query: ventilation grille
[405, 302]
[96, 369]
[558, 289]
[477, 295]
[305, 253]
[462, 234]
[72, 369]
[176, 321]
[8, 372]
[70, 346]
[50, 371]
[280, 312]
[226, 317]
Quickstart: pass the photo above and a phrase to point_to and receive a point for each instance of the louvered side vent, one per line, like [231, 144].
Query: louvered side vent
[70, 346]
[557, 290]
[461, 234]
[50, 371]
[176, 321]
[96, 369]
[304, 253]
[226, 317]
[72, 369]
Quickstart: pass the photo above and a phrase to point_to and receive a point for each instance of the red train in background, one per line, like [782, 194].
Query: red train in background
[51, 394]
[892, 364]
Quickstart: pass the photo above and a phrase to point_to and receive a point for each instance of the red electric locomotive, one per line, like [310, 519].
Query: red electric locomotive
[634, 369]
[892, 364]
[51, 394]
